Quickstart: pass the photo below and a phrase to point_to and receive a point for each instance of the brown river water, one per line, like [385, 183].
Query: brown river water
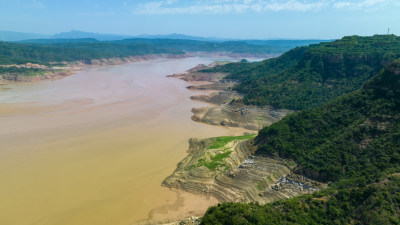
[94, 147]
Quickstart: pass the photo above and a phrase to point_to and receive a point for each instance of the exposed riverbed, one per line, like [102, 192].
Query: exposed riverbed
[93, 148]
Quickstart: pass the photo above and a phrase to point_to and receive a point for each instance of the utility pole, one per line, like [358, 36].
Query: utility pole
[388, 31]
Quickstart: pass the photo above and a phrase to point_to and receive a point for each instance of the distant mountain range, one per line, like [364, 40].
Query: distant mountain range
[76, 34]
[19, 36]
[12, 36]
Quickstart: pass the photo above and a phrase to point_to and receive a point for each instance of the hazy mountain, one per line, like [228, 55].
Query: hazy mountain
[58, 41]
[76, 34]
[19, 36]
[111, 37]
[180, 36]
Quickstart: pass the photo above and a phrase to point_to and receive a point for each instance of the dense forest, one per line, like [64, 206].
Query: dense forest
[306, 77]
[16, 53]
[352, 142]
[377, 203]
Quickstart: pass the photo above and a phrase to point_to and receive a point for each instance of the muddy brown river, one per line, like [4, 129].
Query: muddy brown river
[94, 147]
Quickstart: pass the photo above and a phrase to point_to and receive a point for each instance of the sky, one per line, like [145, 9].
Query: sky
[243, 19]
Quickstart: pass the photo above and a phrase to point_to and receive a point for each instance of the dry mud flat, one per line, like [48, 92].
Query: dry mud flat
[231, 173]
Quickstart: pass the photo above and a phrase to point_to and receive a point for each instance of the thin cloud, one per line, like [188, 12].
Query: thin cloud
[225, 6]
[242, 6]
[364, 4]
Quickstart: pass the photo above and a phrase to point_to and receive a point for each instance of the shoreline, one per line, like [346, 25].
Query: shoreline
[71, 68]
[58, 72]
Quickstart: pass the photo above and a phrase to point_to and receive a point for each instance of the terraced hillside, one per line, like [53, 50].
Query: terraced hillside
[223, 167]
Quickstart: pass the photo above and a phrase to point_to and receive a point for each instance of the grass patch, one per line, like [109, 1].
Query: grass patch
[22, 71]
[214, 162]
[221, 156]
[260, 186]
[217, 161]
[269, 180]
[220, 142]
[57, 64]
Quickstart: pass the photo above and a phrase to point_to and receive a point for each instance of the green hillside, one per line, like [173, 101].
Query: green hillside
[356, 135]
[306, 77]
[352, 142]
[377, 203]
[86, 50]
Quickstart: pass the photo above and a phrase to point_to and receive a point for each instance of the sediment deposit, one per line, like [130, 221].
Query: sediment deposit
[228, 110]
[240, 177]
[231, 112]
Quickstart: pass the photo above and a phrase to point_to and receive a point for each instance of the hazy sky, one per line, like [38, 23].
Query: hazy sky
[261, 19]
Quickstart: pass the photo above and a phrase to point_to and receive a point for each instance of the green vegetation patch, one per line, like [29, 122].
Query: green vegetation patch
[355, 136]
[378, 203]
[220, 142]
[22, 71]
[260, 186]
[307, 77]
[16, 53]
[215, 161]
